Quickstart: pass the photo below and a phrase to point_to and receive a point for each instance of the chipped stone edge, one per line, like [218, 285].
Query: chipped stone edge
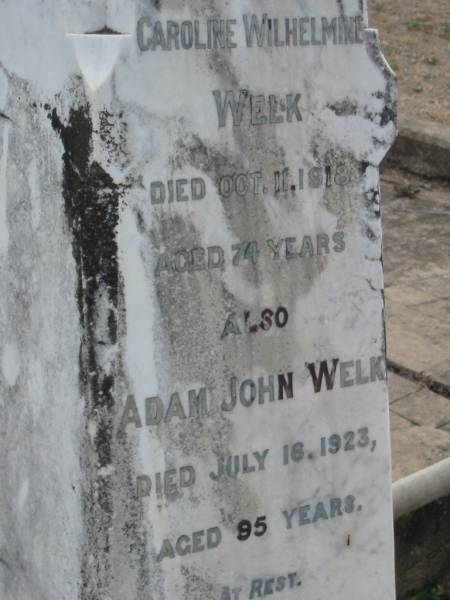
[422, 148]
[375, 50]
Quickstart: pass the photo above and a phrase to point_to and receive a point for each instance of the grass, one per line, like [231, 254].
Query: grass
[432, 593]
[431, 60]
[417, 44]
[442, 30]
[419, 25]
[445, 31]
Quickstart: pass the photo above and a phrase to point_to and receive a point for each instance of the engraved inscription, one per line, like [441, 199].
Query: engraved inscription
[168, 483]
[258, 31]
[189, 260]
[324, 510]
[198, 541]
[259, 109]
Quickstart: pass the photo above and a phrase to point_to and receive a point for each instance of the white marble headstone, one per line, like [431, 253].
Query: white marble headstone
[192, 356]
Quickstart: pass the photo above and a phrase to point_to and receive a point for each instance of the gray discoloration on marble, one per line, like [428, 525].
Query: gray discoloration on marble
[174, 277]
[39, 350]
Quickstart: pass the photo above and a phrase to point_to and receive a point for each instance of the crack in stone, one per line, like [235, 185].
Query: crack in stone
[430, 382]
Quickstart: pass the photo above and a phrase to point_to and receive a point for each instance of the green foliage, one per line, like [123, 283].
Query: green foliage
[442, 30]
[445, 31]
[431, 593]
[419, 25]
[431, 60]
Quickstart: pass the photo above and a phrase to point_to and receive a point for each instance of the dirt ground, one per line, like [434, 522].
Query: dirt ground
[415, 35]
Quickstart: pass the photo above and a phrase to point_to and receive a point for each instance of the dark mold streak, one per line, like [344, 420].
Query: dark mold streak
[112, 515]
[92, 210]
[344, 108]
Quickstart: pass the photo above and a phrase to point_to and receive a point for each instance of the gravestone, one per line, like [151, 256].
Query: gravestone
[193, 378]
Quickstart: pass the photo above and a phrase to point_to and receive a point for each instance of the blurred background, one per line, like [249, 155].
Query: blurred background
[416, 40]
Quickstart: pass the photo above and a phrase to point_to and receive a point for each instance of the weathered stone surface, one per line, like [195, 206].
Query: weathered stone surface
[424, 408]
[416, 251]
[417, 325]
[398, 423]
[419, 342]
[194, 399]
[399, 387]
[416, 447]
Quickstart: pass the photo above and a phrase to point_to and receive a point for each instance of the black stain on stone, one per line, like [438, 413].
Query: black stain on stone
[115, 543]
[344, 108]
[91, 200]
[371, 234]
[92, 210]
[372, 201]
[113, 134]
[112, 326]
[389, 113]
